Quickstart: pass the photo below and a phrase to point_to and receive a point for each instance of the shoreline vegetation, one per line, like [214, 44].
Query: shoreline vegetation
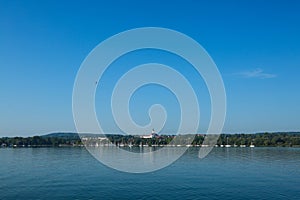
[280, 139]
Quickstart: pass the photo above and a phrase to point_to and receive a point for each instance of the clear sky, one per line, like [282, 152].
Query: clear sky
[255, 44]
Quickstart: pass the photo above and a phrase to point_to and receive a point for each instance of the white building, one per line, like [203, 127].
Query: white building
[151, 135]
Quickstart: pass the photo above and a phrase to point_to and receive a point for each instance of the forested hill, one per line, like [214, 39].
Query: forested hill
[62, 135]
[285, 139]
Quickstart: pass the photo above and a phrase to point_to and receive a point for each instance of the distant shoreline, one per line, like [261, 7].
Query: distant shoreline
[278, 139]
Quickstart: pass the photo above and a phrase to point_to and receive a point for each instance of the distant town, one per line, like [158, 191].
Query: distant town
[280, 139]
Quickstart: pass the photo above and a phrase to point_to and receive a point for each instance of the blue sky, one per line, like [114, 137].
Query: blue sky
[255, 44]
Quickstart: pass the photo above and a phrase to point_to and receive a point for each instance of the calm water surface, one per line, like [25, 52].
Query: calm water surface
[226, 173]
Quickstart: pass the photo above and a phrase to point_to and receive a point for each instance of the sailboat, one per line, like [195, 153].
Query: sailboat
[242, 145]
[227, 145]
[252, 145]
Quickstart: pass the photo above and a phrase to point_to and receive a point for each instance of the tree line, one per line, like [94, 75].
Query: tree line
[259, 139]
[37, 141]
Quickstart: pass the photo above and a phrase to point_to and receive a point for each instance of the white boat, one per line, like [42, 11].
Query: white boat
[227, 145]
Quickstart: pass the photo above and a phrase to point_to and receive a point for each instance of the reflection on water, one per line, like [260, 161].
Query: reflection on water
[137, 159]
[226, 173]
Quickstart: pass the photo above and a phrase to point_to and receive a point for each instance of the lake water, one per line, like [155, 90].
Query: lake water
[226, 173]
